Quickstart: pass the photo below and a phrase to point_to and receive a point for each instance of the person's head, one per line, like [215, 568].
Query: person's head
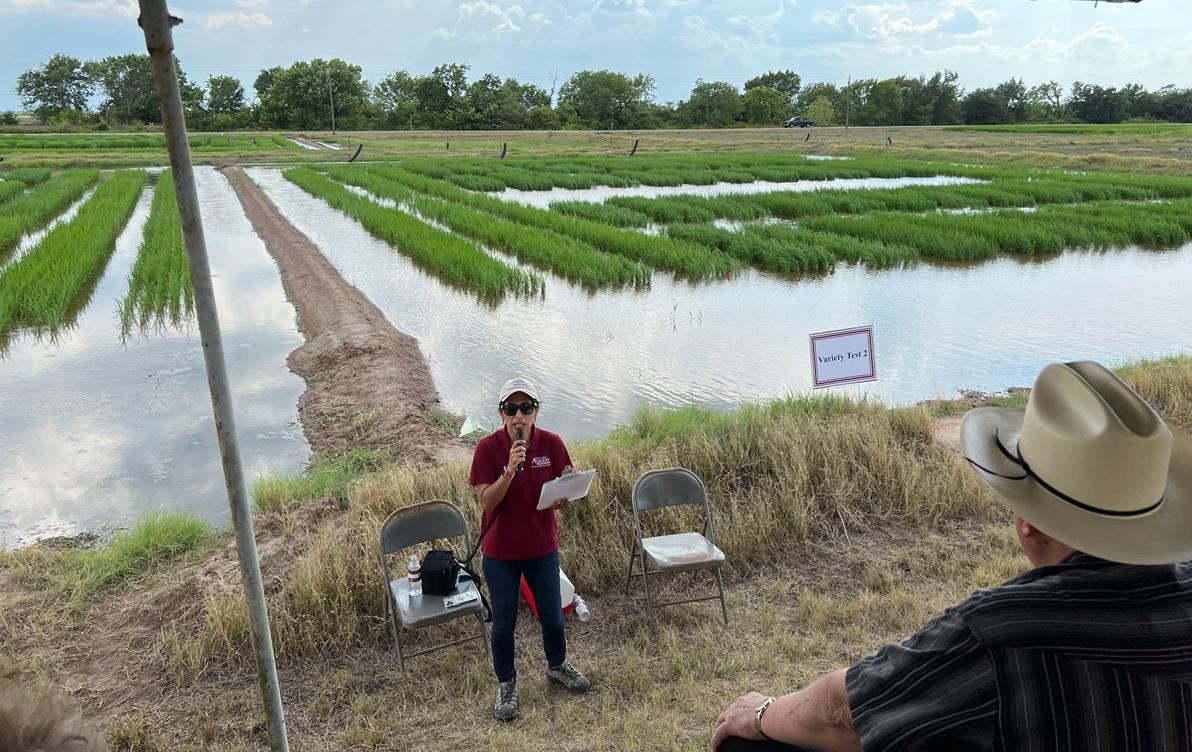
[44, 720]
[518, 406]
[1087, 466]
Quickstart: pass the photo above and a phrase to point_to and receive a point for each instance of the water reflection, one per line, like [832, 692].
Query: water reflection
[96, 432]
[600, 193]
[598, 356]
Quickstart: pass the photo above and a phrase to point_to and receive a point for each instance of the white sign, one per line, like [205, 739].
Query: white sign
[844, 356]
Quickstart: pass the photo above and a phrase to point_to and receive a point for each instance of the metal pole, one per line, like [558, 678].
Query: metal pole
[331, 95]
[156, 23]
[848, 100]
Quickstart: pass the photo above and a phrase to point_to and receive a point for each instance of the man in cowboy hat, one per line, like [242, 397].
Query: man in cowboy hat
[1092, 649]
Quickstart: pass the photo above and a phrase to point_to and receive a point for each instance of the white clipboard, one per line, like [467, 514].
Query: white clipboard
[573, 485]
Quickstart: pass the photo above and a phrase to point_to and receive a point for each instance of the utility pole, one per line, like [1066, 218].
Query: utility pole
[848, 100]
[331, 95]
[155, 21]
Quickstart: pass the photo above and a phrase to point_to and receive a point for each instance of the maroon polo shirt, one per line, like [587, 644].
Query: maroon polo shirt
[519, 530]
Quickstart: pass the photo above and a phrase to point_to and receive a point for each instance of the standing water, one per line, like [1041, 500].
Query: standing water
[598, 356]
[96, 432]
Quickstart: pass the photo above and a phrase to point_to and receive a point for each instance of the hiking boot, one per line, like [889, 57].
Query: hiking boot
[506, 707]
[569, 676]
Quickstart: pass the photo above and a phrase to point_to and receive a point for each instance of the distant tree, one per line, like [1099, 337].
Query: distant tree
[764, 105]
[877, 102]
[59, 85]
[1174, 104]
[785, 81]
[714, 103]
[225, 95]
[985, 107]
[1097, 104]
[8, 117]
[821, 112]
[606, 99]
[396, 99]
[1016, 95]
[126, 83]
[1138, 102]
[299, 96]
[811, 93]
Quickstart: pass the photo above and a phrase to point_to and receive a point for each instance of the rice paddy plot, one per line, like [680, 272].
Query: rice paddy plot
[10, 189]
[684, 259]
[46, 284]
[28, 175]
[568, 258]
[447, 256]
[159, 290]
[37, 206]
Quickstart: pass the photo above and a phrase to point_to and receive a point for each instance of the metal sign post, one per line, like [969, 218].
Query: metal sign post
[156, 23]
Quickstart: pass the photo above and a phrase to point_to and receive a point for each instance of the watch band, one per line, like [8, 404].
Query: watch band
[757, 717]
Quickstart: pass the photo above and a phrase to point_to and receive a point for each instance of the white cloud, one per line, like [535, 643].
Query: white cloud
[825, 17]
[480, 19]
[99, 8]
[220, 18]
[891, 20]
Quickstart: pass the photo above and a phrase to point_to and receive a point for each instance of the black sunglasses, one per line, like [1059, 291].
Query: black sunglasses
[511, 408]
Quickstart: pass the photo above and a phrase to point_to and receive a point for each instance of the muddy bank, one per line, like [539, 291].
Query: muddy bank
[367, 383]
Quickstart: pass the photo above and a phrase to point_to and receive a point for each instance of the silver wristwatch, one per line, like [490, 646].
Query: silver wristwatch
[757, 716]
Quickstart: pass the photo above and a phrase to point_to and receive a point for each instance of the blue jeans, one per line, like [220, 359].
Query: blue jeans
[504, 589]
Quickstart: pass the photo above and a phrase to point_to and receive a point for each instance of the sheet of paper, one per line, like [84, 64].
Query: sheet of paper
[572, 485]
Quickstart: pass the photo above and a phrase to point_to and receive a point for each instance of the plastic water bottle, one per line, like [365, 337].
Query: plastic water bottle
[581, 609]
[414, 575]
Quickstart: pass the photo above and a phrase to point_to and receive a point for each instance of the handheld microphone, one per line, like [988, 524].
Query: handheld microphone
[519, 438]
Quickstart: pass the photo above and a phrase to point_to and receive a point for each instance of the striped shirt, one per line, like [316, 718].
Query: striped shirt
[1083, 655]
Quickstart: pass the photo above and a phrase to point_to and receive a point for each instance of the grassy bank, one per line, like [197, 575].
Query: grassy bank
[844, 523]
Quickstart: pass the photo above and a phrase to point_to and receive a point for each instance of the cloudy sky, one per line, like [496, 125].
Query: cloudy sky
[676, 41]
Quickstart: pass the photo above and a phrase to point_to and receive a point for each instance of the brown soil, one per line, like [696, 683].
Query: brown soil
[366, 382]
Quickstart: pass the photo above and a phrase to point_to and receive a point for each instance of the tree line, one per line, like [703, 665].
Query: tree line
[118, 90]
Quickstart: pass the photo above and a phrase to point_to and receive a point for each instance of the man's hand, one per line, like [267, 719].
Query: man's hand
[739, 720]
[517, 455]
[561, 503]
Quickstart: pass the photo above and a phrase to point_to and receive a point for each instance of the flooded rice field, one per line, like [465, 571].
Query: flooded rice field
[543, 199]
[598, 356]
[97, 431]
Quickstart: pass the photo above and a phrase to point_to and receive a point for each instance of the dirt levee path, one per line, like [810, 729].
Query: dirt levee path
[366, 382]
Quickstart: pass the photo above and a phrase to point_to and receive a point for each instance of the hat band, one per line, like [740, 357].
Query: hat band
[1017, 459]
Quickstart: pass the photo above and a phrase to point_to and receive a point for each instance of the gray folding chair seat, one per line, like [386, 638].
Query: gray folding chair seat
[681, 552]
[428, 610]
[421, 523]
[677, 552]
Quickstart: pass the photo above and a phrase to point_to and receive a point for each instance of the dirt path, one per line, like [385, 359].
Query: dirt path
[366, 382]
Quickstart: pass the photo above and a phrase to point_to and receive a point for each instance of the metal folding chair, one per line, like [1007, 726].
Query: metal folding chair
[679, 552]
[421, 523]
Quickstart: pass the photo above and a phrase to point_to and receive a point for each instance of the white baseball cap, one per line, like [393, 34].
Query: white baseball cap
[518, 384]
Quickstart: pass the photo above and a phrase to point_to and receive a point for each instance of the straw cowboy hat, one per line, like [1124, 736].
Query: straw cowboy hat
[1091, 464]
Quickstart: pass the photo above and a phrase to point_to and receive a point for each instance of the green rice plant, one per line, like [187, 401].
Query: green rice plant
[447, 256]
[284, 142]
[758, 250]
[10, 189]
[159, 290]
[691, 261]
[609, 214]
[37, 206]
[561, 254]
[842, 247]
[950, 242]
[478, 182]
[680, 209]
[29, 175]
[44, 285]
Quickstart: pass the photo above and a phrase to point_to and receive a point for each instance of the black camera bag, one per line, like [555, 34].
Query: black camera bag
[439, 572]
